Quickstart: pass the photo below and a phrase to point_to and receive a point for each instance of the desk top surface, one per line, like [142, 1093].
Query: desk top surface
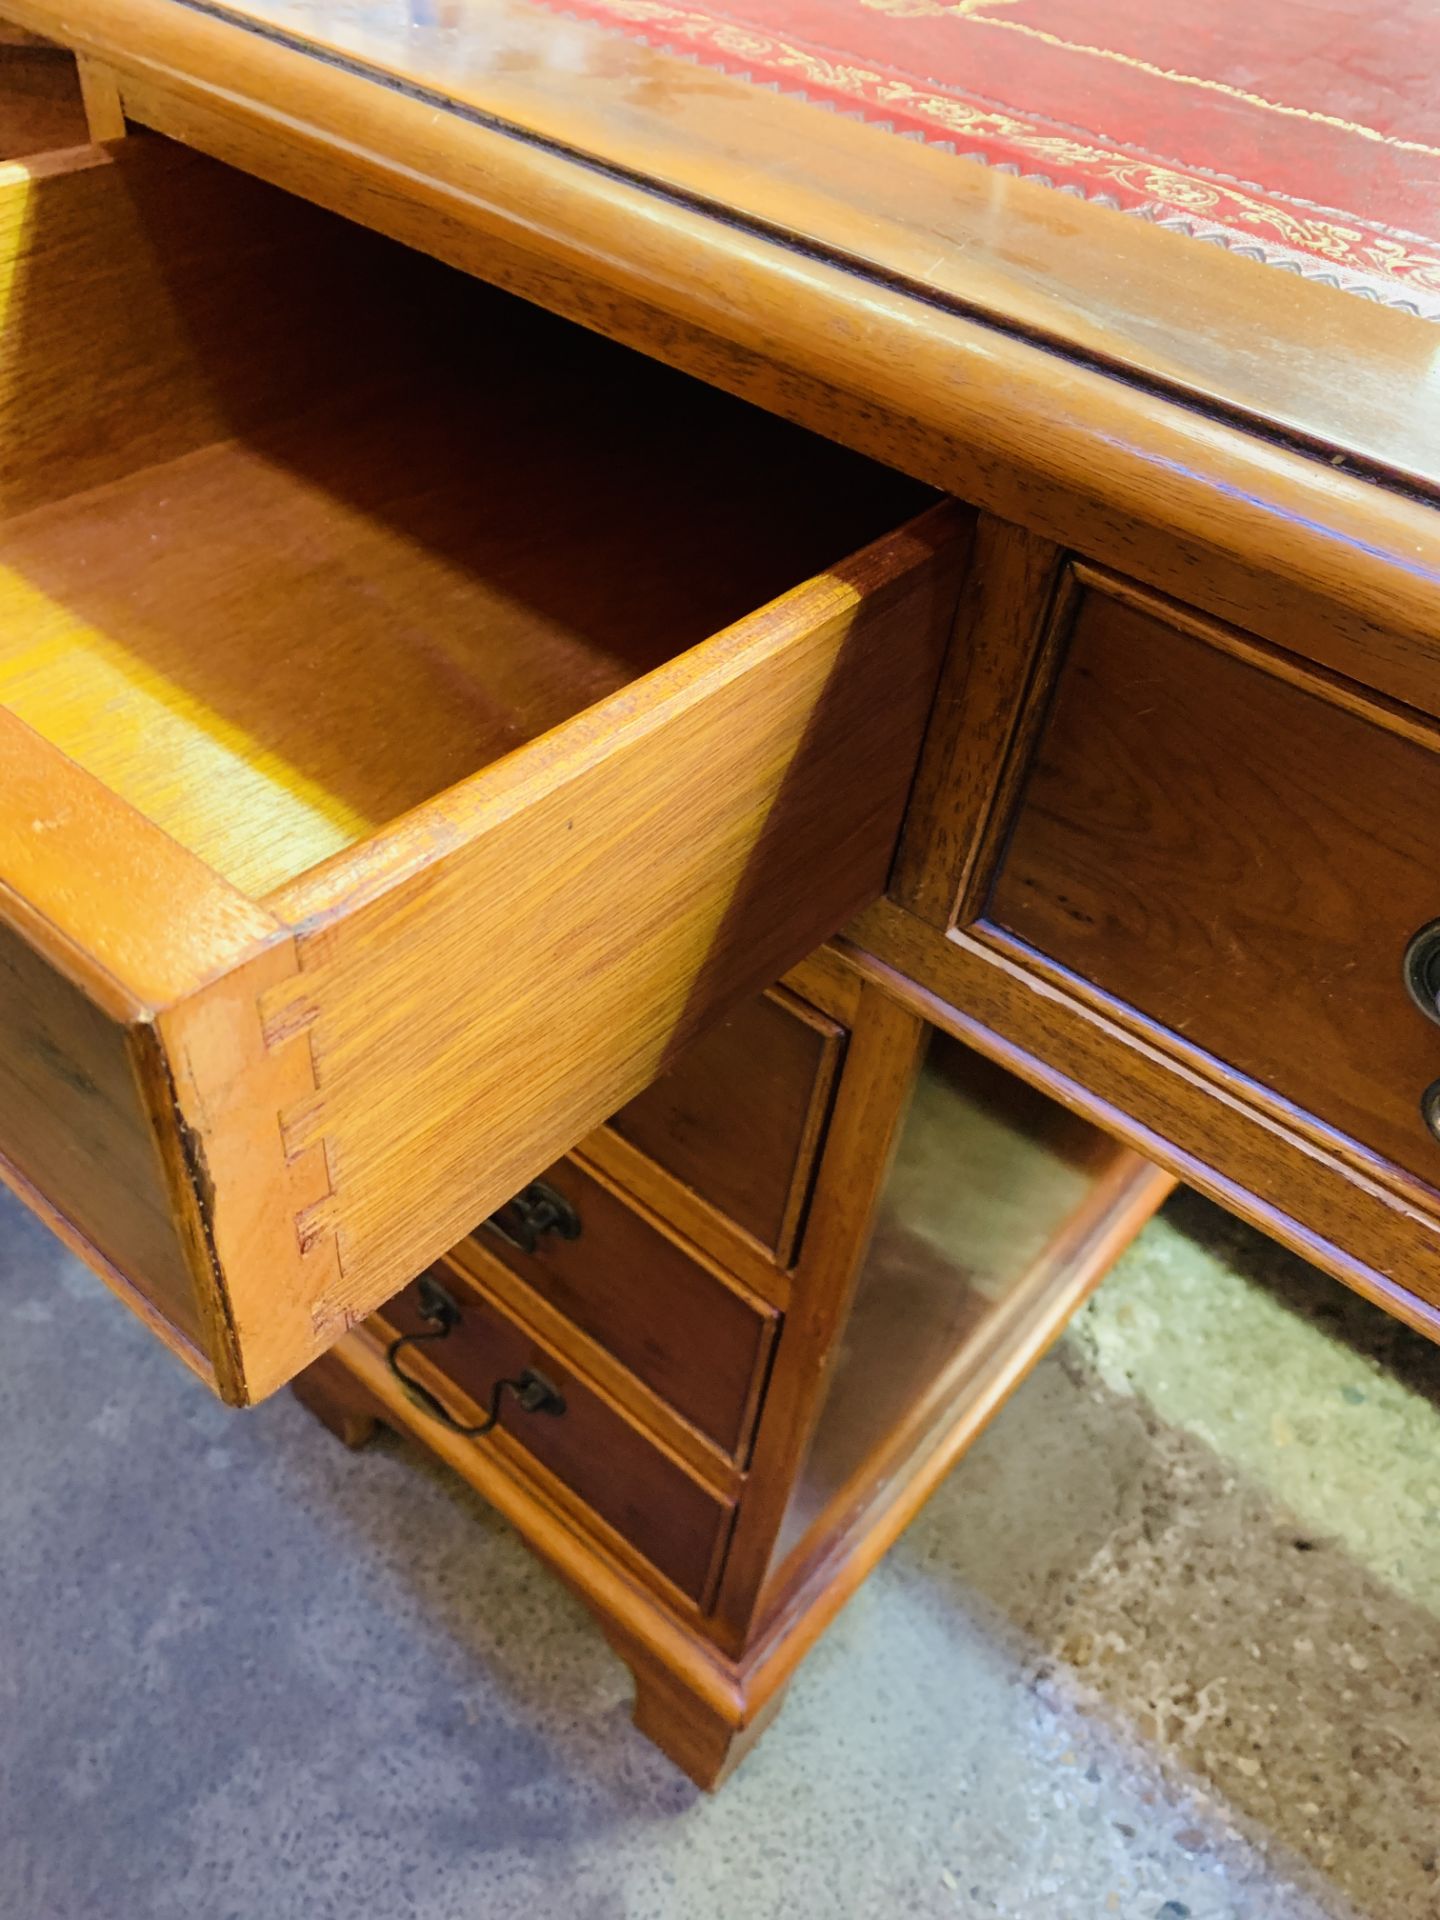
[972, 168]
[978, 152]
[1306, 136]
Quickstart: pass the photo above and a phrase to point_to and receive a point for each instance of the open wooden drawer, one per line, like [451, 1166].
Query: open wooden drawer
[417, 718]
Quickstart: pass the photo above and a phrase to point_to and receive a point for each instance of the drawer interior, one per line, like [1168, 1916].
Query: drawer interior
[435, 526]
[421, 718]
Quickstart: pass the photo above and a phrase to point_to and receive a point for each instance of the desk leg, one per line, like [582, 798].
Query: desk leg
[706, 1738]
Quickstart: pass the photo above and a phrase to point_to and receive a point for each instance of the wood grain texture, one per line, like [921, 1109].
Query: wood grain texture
[622, 1387]
[828, 984]
[501, 971]
[92, 1123]
[702, 1707]
[76, 1128]
[1321, 365]
[869, 348]
[207, 629]
[40, 102]
[226, 640]
[677, 1524]
[970, 741]
[1240, 524]
[704, 1691]
[100, 94]
[998, 1202]
[1205, 1133]
[131, 332]
[830, 991]
[588, 1560]
[257, 1196]
[801, 1606]
[122, 944]
[881, 1061]
[174, 927]
[1239, 851]
[677, 1324]
[702, 1226]
[740, 1117]
[706, 1742]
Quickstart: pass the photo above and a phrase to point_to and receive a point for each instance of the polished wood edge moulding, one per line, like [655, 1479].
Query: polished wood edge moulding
[1354, 1228]
[1340, 375]
[1225, 519]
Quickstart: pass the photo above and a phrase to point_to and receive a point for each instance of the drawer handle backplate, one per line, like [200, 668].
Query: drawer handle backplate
[537, 1209]
[1422, 970]
[533, 1392]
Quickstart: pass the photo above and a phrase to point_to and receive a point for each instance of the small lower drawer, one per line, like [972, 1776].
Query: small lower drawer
[677, 1326]
[740, 1117]
[674, 1522]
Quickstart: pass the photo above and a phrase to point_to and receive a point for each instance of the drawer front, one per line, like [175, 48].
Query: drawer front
[740, 1117]
[676, 1325]
[464, 759]
[76, 1138]
[668, 1517]
[1239, 850]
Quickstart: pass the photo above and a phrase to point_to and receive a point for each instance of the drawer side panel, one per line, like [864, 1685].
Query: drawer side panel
[536, 948]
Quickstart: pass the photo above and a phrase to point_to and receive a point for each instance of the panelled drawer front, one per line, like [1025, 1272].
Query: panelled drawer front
[740, 1117]
[677, 1326]
[667, 1516]
[464, 755]
[1240, 850]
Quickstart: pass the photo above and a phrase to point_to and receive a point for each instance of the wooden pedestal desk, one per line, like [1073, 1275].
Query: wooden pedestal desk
[665, 756]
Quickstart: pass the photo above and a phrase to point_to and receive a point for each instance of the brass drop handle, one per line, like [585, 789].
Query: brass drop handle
[1422, 970]
[1430, 1107]
[537, 1209]
[533, 1392]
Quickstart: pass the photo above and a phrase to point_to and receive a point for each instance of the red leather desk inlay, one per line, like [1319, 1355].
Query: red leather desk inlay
[1307, 135]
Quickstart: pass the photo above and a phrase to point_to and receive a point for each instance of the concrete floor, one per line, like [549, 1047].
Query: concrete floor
[1164, 1647]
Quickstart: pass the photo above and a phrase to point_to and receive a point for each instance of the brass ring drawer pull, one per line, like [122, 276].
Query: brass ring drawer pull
[533, 1392]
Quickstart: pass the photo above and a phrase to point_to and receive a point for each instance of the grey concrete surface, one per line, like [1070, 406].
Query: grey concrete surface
[1164, 1647]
